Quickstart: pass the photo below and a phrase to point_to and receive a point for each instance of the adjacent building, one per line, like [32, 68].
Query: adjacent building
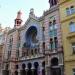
[1, 45]
[67, 18]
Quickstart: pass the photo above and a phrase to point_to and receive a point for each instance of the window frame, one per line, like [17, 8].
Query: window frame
[73, 47]
[70, 10]
[73, 70]
[71, 27]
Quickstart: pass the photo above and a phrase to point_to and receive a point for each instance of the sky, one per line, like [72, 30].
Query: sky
[9, 9]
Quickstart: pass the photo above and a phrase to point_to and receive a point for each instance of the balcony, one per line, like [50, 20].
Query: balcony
[54, 51]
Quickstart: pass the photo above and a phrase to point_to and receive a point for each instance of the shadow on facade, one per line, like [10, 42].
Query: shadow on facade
[6, 71]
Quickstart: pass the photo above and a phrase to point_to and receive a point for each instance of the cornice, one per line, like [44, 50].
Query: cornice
[11, 31]
[52, 9]
[67, 19]
[61, 3]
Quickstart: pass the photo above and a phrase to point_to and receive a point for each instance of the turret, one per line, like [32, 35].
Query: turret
[18, 20]
[53, 3]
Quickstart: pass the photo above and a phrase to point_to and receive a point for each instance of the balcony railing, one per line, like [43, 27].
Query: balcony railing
[55, 50]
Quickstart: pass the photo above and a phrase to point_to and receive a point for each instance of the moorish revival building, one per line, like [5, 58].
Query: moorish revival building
[35, 48]
[1, 45]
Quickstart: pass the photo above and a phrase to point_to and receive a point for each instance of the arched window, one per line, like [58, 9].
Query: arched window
[67, 11]
[29, 71]
[16, 66]
[23, 66]
[72, 26]
[36, 65]
[70, 10]
[43, 70]
[7, 66]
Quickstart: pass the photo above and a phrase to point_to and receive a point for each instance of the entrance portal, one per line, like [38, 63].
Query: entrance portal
[29, 72]
[55, 69]
[23, 71]
[36, 68]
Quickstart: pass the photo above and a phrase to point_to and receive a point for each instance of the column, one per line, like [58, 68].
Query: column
[40, 69]
[26, 69]
[18, 71]
[32, 69]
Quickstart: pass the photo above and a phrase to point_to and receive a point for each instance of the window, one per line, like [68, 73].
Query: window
[73, 71]
[43, 45]
[10, 43]
[51, 44]
[70, 10]
[43, 28]
[32, 51]
[11, 40]
[56, 42]
[9, 54]
[73, 47]
[53, 28]
[54, 22]
[55, 32]
[51, 33]
[72, 27]
[27, 52]
[17, 22]
[23, 52]
[35, 51]
[17, 53]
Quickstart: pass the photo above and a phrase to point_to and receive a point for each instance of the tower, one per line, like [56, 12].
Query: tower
[53, 2]
[18, 20]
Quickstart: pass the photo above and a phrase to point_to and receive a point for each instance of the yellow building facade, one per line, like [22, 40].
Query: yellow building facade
[67, 18]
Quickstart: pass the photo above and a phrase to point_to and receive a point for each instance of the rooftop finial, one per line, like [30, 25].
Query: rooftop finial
[19, 14]
[18, 20]
[32, 11]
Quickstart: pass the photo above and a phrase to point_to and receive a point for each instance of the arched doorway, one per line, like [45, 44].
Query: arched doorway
[43, 70]
[36, 68]
[29, 72]
[23, 71]
[16, 70]
[55, 69]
